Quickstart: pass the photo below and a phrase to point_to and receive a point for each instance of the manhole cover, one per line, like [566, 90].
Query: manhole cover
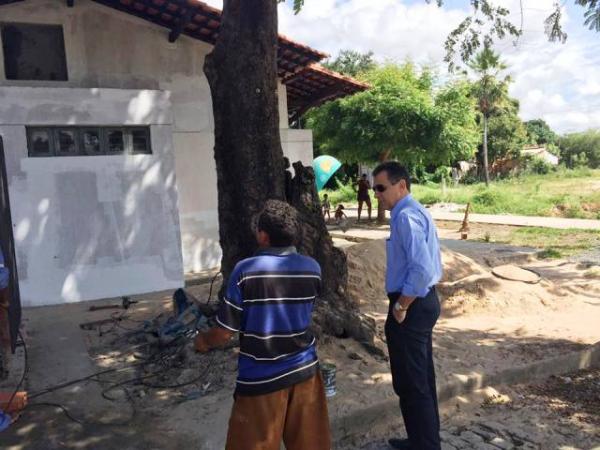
[514, 273]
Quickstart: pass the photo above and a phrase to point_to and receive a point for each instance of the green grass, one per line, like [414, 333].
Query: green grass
[344, 194]
[565, 193]
[550, 253]
[553, 243]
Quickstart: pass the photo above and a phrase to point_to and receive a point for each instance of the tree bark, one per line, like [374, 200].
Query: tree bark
[242, 74]
[485, 151]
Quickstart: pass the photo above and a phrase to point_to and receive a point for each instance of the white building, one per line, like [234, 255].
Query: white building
[106, 120]
[540, 151]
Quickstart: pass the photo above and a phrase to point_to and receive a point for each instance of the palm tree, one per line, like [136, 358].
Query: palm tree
[489, 91]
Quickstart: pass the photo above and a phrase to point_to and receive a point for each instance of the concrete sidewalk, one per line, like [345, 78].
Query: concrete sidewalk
[520, 221]
[499, 219]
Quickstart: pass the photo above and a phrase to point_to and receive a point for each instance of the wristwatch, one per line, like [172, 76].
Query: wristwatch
[398, 307]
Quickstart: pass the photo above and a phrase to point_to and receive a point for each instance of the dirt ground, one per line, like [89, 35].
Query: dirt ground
[173, 397]
[558, 413]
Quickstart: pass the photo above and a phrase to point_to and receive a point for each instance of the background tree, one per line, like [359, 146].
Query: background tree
[398, 117]
[351, 63]
[488, 90]
[539, 132]
[506, 135]
[581, 149]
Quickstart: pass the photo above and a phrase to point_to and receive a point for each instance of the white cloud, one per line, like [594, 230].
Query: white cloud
[557, 82]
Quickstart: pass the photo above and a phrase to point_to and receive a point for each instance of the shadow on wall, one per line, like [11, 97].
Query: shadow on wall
[99, 226]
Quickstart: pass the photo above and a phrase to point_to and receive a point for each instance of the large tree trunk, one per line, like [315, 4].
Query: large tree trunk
[486, 170]
[242, 74]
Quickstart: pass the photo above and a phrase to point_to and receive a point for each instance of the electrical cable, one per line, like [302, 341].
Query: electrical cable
[57, 405]
[162, 356]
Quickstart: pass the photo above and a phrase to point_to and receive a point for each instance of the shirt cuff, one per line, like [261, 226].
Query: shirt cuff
[413, 291]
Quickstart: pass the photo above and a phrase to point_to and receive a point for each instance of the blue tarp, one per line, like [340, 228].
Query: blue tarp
[3, 272]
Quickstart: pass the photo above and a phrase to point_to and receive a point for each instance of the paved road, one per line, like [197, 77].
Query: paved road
[522, 221]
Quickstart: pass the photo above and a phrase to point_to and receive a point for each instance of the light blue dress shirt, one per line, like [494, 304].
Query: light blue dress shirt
[414, 263]
[3, 272]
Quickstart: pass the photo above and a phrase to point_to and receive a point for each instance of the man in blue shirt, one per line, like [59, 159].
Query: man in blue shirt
[414, 267]
[269, 300]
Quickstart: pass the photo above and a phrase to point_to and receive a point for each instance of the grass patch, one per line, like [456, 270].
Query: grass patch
[344, 194]
[549, 253]
[553, 243]
[565, 193]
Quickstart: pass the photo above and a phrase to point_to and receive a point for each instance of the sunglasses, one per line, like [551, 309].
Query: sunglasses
[381, 187]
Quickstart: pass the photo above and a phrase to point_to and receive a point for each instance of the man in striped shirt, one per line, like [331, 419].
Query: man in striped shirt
[269, 300]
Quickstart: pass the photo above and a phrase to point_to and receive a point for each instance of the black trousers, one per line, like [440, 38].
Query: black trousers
[413, 373]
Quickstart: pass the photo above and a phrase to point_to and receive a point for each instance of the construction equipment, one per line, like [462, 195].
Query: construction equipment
[187, 319]
[464, 229]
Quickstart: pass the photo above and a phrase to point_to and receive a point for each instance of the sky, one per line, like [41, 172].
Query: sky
[559, 83]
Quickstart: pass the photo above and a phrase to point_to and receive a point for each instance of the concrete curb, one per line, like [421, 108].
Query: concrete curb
[360, 422]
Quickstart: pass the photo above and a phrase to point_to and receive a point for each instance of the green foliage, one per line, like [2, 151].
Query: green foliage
[351, 63]
[549, 253]
[538, 166]
[539, 132]
[399, 117]
[489, 198]
[506, 134]
[297, 5]
[442, 173]
[488, 23]
[459, 135]
[344, 194]
[581, 149]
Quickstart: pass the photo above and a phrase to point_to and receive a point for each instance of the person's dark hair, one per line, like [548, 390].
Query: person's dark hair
[325, 196]
[280, 221]
[364, 175]
[395, 172]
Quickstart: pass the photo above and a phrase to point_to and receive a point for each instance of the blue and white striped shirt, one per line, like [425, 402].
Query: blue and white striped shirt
[269, 301]
[414, 263]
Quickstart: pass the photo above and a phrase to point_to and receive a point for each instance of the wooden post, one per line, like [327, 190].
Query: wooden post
[464, 229]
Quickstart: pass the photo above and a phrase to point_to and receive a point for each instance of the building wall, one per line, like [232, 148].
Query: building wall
[90, 227]
[109, 51]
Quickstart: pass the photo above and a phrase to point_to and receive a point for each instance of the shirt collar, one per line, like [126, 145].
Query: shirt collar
[277, 251]
[400, 206]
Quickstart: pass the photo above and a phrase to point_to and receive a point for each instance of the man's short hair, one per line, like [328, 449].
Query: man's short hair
[395, 172]
[280, 221]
